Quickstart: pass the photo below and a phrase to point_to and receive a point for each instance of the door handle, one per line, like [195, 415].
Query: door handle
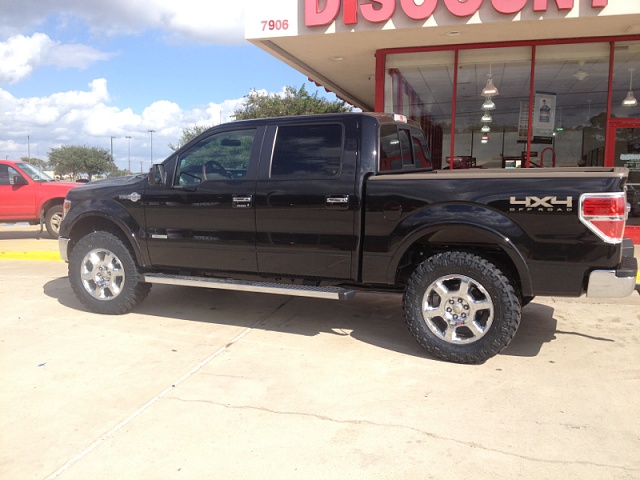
[242, 201]
[338, 200]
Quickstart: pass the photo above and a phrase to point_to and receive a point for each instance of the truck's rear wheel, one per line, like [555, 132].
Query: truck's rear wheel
[104, 275]
[52, 220]
[461, 308]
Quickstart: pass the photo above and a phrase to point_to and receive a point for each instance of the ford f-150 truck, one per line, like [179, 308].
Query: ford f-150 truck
[27, 194]
[327, 205]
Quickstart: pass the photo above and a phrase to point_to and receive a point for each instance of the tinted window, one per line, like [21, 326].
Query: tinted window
[222, 156]
[405, 145]
[402, 148]
[420, 150]
[308, 151]
[390, 152]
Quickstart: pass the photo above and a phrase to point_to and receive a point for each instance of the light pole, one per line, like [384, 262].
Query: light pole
[112, 148]
[29, 147]
[151, 146]
[129, 155]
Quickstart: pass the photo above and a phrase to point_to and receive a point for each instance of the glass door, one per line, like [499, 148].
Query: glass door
[625, 152]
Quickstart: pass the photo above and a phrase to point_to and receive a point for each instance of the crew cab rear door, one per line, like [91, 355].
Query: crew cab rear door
[203, 217]
[306, 198]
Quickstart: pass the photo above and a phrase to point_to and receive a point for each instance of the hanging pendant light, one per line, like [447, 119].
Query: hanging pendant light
[485, 138]
[485, 129]
[486, 118]
[630, 101]
[490, 90]
[488, 104]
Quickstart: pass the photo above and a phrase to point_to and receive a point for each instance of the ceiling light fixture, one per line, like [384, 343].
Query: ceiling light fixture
[490, 90]
[485, 138]
[486, 118]
[485, 129]
[488, 104]
[630, 101]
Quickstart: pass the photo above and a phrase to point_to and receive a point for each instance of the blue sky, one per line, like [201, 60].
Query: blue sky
[77, 72]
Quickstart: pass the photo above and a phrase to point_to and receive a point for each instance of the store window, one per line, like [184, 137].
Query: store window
[570, 105]
[625, 116]
[626, 81]
[420, 86]
[492, 106]
[490, 126]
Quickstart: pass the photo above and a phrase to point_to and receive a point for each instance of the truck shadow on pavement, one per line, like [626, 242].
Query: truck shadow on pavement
[375, 319]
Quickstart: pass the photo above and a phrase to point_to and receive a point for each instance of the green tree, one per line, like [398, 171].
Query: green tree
[188, 134]
[293, 102]
[75, 160]
[36, 161]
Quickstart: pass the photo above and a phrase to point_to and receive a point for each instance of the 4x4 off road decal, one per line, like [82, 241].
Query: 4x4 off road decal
[541, 204]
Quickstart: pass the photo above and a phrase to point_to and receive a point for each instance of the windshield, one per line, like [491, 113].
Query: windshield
[35, 173]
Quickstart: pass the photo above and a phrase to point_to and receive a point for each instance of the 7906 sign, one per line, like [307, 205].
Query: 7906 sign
[275, 25]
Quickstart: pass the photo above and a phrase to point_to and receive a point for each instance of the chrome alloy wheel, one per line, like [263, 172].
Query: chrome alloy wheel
[457, 309]
[102, 274]
[56, 220]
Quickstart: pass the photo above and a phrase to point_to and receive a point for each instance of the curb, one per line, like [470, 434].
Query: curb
[30, 255]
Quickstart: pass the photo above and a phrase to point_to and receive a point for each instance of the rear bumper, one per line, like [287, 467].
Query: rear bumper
[617, 283]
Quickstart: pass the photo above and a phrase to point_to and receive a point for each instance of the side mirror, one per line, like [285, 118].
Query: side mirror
[17, 180]
[157, 175]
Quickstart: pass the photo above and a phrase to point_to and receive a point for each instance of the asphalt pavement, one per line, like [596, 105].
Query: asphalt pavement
[203, 384]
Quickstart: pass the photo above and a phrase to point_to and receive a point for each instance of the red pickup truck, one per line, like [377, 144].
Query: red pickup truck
[27, 194]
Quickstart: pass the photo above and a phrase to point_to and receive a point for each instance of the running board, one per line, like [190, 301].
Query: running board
[332, 293]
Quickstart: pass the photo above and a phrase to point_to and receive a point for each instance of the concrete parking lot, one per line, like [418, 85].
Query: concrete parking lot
[210, 384]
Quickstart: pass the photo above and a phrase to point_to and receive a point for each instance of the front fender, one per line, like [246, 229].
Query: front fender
[100, 213]
[463, 225]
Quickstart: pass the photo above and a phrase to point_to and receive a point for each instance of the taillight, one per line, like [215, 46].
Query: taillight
[605, 214]
[66, 206]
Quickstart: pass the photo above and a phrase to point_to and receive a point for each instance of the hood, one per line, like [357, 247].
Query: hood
[111, 182]
[110, 186]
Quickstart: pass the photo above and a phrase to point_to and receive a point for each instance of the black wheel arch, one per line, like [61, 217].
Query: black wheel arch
[118, 222]
[479, 240]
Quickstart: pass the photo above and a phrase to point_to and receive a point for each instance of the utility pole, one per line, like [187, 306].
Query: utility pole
[129, 155]
[151, 145]
[112, 148]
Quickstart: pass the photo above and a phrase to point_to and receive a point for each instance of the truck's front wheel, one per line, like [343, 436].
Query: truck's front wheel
[104, 275]
[52, 220]
[461, 307]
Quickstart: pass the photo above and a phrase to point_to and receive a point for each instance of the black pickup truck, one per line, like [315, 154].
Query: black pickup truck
[327, 205]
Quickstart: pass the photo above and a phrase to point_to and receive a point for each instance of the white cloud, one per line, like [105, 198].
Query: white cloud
[20, 55]
[87, 117]
[210, 21]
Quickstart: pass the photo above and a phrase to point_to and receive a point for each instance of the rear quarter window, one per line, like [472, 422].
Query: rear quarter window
[402, 149]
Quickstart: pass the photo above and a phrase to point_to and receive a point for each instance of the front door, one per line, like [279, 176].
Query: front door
[204, 217]
[18, 201]
[625, 152]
